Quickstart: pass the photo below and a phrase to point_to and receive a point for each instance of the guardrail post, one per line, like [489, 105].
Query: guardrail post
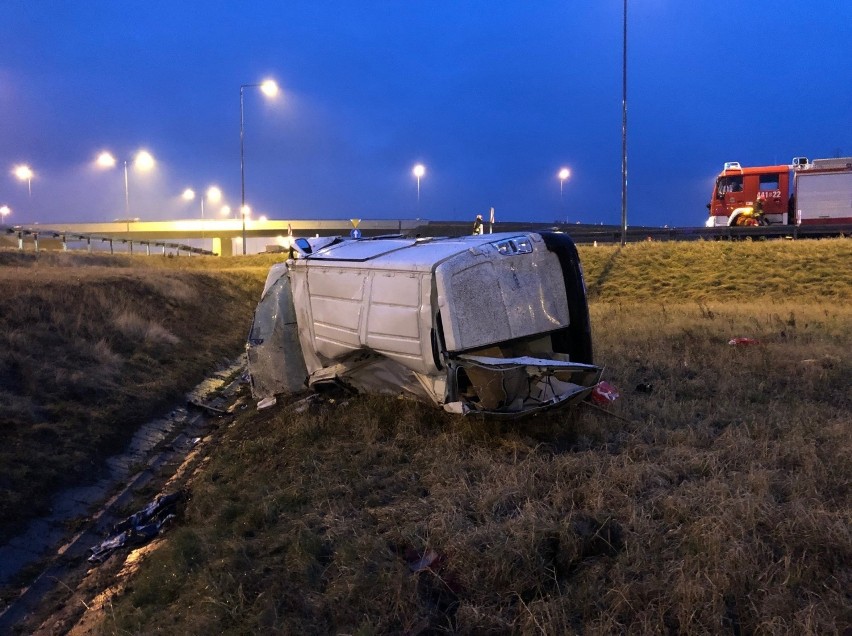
[131, 246]
[35, 241]
[110, 247]
[164, 249]
[147, 249]
[20, 241]
[89, 244]
[64, 243]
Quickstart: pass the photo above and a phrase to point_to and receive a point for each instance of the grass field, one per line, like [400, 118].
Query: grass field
[91, 346]
[712, 497]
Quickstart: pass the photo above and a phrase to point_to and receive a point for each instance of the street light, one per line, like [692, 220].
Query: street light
[270, 89]
[105, 160]
[563, 174]
[213, 194]
[143, 161]
[419, 170]
[24, 173]
[4, 212]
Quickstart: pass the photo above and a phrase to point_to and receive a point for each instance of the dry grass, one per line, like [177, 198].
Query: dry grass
[719, 271]
[719, 504]
[91, 346]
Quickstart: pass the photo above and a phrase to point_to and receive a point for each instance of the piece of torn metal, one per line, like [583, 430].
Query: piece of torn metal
[495, 324]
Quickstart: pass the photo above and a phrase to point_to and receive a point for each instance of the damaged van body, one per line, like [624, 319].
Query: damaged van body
[494, 324]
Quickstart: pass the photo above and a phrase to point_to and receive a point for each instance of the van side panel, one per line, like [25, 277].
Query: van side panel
[337, 299]
[393, 321]
[351, 308]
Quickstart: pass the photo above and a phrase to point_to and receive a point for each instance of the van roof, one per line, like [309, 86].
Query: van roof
[420, 254]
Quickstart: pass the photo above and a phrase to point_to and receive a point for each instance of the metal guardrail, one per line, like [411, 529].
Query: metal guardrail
[585, 233]
[27, 232]
[612, 233]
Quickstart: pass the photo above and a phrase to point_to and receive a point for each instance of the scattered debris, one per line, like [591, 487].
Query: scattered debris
[825, 362]
[458, 408]
[743, 342]
[208, 408]
[266, 402]
[304, 404]
[423, 563]
[141, 526]
[604, 393]
[606, 412]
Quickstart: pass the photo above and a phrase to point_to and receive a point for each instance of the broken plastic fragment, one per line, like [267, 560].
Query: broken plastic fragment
[604, 393]
[459, 408]
[423, 563]
[265, 403]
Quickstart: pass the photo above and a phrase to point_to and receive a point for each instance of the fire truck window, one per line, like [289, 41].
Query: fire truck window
[730, 184]
[768, 182]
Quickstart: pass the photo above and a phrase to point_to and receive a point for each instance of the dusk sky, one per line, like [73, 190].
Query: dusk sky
[492, 97]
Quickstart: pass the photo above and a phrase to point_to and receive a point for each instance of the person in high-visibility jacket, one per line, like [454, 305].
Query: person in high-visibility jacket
[478, 225]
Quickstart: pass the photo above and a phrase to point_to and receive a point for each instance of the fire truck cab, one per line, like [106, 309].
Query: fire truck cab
[738, 190]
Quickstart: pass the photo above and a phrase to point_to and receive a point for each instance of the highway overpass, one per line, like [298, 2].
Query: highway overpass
[223, 233]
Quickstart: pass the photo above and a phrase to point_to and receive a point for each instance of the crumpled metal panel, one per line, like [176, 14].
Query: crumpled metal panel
[275, 360]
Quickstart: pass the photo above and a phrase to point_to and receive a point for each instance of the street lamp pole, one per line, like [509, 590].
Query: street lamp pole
[564, 173]
[419, 170]
[126, 190]
[142, 161]
[242, 164]
[270, 89]
[25, 173]
[624, 135]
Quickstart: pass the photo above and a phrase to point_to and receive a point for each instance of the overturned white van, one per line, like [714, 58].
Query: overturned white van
[495, 324]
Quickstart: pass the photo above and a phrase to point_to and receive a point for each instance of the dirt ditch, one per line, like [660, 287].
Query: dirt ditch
[46, 581]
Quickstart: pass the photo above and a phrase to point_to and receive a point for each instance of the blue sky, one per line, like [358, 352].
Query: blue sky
[492, 97]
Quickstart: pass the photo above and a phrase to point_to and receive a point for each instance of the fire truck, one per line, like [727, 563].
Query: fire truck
[817, 192]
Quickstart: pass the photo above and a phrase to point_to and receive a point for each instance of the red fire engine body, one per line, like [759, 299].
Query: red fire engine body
[804, 193]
